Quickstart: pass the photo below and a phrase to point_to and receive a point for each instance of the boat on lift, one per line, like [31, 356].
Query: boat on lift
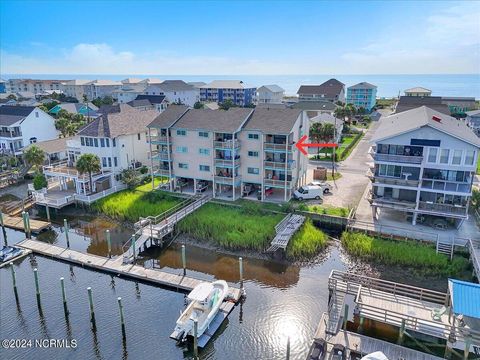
[204, 303]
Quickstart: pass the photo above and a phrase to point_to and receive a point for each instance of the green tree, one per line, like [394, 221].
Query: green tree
[475, 201]
[315, 133]
[198, 105]
[34, 156]
[227, 104]
[11, 97]
[88, 164]
[85, 99]
[130, 178]
[39, 181]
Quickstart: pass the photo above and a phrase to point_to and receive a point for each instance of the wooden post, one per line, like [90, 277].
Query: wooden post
[92, 311]
[1, 220]
[122, 318]
[288, 348]
[65, 227]
[184, 260]
[195, 339]
[133, 247]
[345, 317]
[25, 224]
[468, 341]
[47, 209]
[240, 265]
[109, 244]
[64, 296]
[360, 327]
[27, 219]
[14, 280]
[37, 287]
[401, 333]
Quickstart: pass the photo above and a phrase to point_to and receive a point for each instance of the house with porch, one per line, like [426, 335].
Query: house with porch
[424, 165]
[331, 90]
[270, 94]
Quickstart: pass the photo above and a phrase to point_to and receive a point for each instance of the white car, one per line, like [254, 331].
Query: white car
[308, 192]
[324, 185]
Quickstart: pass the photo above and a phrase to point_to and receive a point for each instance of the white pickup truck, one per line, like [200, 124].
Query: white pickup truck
[324, 185]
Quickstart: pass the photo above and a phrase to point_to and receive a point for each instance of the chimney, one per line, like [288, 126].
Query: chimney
[436, 118]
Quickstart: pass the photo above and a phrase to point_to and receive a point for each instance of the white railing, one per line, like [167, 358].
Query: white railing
[474, 249]
[93, 197]
[277, 147]
[395, 181]
[398, 158]
[443, 208]
[227, 162]
[279, 165]
[227, 144]
[282, 183]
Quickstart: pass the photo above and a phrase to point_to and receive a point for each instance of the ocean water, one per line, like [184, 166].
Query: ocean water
[388, 85]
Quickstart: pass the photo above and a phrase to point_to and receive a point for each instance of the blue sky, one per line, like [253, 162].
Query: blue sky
[239, 37]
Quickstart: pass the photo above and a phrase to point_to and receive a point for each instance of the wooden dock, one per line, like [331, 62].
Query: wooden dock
[366, 345]
[15, 222]
[115, 265]
[18, 257]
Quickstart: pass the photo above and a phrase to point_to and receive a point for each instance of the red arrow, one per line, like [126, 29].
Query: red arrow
[301, 145]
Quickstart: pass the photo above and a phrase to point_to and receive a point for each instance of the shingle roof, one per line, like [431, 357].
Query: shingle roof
[413, 119]
[175, 85]
[273, 88]
[169, 116]
[139, 103]
[104, 83]
[315, 105]
[363, 85]
[215, 120]
[154, 99]
[127, 120]
[273, 121]
[52, 146]
[226, 84]
[77, 82]
[197, 84]
[327, 118]
[131, 81]
[418, 89]
[329, 88]
[10, 114]
[411, 102]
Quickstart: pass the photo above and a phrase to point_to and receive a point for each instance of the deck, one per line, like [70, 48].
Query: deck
[367, 345]
[285, 229]
[15, 222]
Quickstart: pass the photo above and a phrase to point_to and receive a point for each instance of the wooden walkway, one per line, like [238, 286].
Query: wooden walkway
[15, 222]
[115, 265]
[16, 207]
[366, 345]
[285, 229]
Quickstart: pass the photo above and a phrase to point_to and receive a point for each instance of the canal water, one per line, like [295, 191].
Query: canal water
[283, 301]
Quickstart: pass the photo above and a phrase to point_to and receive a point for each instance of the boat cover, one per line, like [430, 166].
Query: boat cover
[201, 292]
[377, 355]
[463, 294]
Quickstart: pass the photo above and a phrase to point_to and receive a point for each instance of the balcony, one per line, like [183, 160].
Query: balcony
[277, 183]
[395, 181]
[277, 147]
[227, 163]
[227, 144]
[158, 139]
[443, 208]
[161, 172]
[160, 155]
[451, 186]
[279, 165]
[11, 134]
[228, 180]
[389, 202]
[397, 158]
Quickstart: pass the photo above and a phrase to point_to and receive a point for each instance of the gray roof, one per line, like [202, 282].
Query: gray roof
[139, 102]
[413, 119]
[329, 88]
[10, 114]
[127, 120]
[451, 99]
[327, 118]
[197, 84]
[315, 105]
[273, 88]
[473, 113]
[154, 99]
[362, 85]
[411, 102]
[226, 84]
[52, 146]
[273, 121]
[168, 117]
[418, 89]
[270, 106]
[229, 121]
[175, 85]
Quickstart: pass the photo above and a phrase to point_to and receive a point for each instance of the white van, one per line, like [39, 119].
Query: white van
[307, 192]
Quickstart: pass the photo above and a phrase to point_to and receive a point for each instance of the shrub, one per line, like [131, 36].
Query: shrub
[143, 170]
[307, 241]
[39, 181]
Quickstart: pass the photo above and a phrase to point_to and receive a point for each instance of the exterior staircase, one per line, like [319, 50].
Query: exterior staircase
[334, 315]
[445, 248]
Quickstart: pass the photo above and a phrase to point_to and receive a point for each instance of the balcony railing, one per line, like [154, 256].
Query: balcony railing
[227, 144]
[277, 183]
[395, 181]
[398, 158]
[154, 139]
[160, 155]
[13, 134]
[447, 186]
[443, 208]
[279, 165]
[277, 147]
[390, 202]
[227, 163]
[228, 180]
[161, 172]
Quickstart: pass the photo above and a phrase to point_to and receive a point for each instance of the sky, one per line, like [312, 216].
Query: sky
[239, 37]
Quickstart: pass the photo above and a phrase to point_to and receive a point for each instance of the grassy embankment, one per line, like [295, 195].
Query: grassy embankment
[249, 227]
[325, 210]
[132, 204]
[418, 256]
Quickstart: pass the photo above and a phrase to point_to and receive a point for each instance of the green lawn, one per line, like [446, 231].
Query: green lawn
[132, 204]
[419, 256]
[347, 144]
[328, 210]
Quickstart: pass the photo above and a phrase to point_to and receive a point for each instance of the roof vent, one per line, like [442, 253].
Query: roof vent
[436, 118]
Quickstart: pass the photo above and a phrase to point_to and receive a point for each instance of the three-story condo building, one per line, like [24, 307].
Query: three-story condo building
[425, 162]
[235, 90]
[362, 95]
[234, 153]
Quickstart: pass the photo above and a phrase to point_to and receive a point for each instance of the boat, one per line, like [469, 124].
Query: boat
[318, 350]
[204, 302]
[8, 253]
[339, 352]
[377, 355]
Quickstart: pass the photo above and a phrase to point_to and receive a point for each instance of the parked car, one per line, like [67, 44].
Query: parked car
[324, 185]
[248, 189]
[268, 192]
[308, 192]
[318, 350]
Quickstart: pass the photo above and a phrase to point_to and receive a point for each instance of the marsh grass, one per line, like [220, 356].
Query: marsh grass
[307, 242]
[419, 256]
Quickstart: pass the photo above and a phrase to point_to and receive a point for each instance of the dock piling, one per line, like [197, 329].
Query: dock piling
[24, 224]
[37, 287]
[401, 333]
[184, 260]
[109, 244]
[122, 318]
[47, 209]
[14, 280]
[288, 348]
[345, 317]
[133, 248]
[27, 220]
[240, 264]
[92, 311]
[1, 220]
[64, 296]
[65, 226]
[195, 338]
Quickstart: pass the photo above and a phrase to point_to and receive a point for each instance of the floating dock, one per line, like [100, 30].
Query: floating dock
[15, 222]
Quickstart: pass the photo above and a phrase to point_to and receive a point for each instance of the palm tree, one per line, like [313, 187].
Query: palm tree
[34, 156]
[316, 133]
[88, 163]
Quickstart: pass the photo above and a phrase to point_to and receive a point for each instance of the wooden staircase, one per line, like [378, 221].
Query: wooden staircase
[16, 207]
[445, 248]
[334, 315]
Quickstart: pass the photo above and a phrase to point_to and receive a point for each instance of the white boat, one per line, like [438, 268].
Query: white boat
[378, 355]
[204, 302]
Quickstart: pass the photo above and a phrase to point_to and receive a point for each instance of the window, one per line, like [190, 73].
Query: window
[82, 141]
[102, 142]
[95, 140]
[469, 157]
[183, 166]
[139, 137]
[444, 153]
[204, 167]
[182, 149]
[114, 143]
[104, 161]
[181, 132]
[115, 162]
[457, 157]
[203, 151]
[432, 155]
[110, 162]
[253, 153]
[254, 171]
[36, 114]
[253, 136]
[203, 134]
[33, 140]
